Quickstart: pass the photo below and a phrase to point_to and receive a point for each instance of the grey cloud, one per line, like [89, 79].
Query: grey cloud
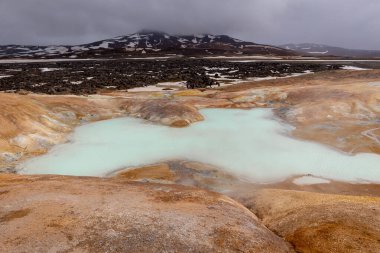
[349, 23]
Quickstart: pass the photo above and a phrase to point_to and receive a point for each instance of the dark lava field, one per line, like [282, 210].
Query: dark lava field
[87, 77]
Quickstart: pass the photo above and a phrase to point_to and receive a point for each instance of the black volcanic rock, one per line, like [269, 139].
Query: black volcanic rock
[148, 43]
[87, 77]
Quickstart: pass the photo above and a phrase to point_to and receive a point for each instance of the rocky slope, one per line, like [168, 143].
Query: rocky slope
[148, 43]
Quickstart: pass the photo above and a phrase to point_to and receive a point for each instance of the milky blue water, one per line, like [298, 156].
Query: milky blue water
[248, 143]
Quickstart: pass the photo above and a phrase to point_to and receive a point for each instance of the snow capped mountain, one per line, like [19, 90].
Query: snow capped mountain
[325, 50]
[148, 42]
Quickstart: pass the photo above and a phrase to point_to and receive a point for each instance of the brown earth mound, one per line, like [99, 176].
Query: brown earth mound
[67, 214]
[315, 222]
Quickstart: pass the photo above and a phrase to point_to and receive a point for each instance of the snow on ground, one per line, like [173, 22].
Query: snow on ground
[5, 76]
[149, 88]
[38, 84]
[215, 68]
[17, 70]
[104, 44]
[255, 57]
[324, 52]
[181, 40]
[132, 44]
[228, 82]
[79, 48]
[151, 58]
[353, 68]
[6, 61]
[160, 87]
[134, 36]
[180, 84]
[299, 74]
[54, 50]
[49, 69]
[76, 82]
[62, 50]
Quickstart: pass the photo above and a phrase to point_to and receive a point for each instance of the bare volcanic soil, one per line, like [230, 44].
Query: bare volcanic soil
[106, 215]
[86, 77]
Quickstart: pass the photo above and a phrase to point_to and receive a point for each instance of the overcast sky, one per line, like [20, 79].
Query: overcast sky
[347, 23]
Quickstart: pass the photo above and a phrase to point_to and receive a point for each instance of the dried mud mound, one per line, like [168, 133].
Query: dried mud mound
[315, 222]
[66, 214]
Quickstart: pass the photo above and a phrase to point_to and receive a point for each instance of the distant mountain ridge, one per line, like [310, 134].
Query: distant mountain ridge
[325, 50]
[149, 43]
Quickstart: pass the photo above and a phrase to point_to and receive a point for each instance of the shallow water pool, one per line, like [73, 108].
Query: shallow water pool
[248, 143]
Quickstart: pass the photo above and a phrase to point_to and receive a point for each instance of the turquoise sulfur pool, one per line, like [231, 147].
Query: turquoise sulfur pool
[248, 143]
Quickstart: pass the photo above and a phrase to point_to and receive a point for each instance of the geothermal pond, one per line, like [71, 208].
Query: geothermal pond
[247, 143]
